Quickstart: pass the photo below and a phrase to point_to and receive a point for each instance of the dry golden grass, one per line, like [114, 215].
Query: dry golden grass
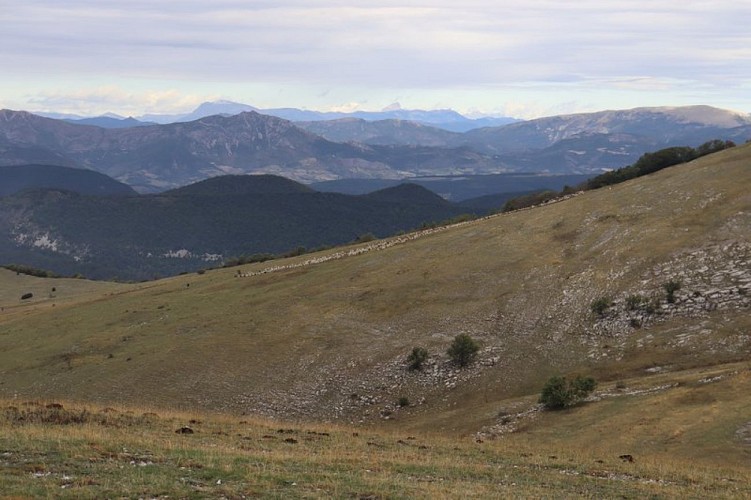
[72, 453]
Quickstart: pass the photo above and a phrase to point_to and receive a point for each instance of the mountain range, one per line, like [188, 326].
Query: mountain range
[158, 157]
[167, 156]
[444, 119]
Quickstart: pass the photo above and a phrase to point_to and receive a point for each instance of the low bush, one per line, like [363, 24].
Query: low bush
[559, 393]
[417, 357]
[671, 287]
[633, 302]
[600, 306]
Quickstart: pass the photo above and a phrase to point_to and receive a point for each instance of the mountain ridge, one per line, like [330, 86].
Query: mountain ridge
[160, 157]
[166, 156]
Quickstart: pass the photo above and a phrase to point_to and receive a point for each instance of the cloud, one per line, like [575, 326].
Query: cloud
[418, 44]
[331, 44]
[93, 101]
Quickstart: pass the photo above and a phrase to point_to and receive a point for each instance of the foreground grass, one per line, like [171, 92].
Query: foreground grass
[47, 450]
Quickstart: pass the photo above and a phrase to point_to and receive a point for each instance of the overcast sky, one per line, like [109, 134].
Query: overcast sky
[524, 58]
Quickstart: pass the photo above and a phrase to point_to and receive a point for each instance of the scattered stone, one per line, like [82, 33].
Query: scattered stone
[743, 434]
[626, 458]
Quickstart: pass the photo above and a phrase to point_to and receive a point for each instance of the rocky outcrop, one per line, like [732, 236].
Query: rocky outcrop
[715, 277]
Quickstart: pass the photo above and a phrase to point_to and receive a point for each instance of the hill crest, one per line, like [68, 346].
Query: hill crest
[14, 179]
[234, 185]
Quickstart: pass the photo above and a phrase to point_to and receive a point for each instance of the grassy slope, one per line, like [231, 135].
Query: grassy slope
[297, 344]
[95, 453]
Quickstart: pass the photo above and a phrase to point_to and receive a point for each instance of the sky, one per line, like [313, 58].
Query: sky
[480, 57]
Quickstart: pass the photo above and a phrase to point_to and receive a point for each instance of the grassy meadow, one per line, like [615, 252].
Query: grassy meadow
[92, 452]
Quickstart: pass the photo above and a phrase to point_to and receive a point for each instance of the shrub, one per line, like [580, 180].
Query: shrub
[31, 271]
[671, 287]
[403, 401]
[27, 296]
[417, 357]
[529, 200]
[559, 393]
[599, 306]
[296, 252]
[633, 302]
[463, 350]
[364, 238]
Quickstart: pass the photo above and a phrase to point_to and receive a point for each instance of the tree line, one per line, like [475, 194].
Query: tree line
[648, 163]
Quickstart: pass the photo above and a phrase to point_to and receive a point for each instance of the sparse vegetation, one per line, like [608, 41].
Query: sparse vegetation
[600, 305]
[417, 357]
[559, 393]
[364, 238]
[648, 163]
[141, 453]
[671, 287]
[31, 271]
[248, 259]
[529, 200]
[634, 302]
[463, 350]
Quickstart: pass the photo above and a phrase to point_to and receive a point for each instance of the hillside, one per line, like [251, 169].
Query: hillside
[662, 126]
[241, 185]
[458, 188]
[383, 132]
[87, 182]
[591, 142]
[325, 336]
[197, 226]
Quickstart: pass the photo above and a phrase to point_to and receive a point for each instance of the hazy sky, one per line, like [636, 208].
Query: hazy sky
[525, 59]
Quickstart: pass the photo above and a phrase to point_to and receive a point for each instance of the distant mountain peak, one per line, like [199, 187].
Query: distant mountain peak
[221, 107]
